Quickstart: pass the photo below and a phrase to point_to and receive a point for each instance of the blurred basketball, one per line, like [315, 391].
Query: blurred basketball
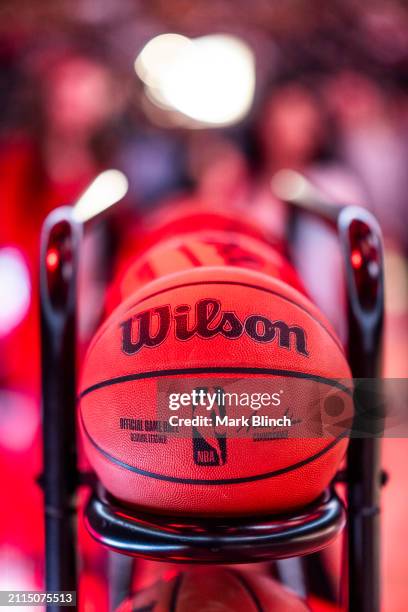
[205, 248]
[171, 221]
[208, 590]
[219, 329]
[194, 216]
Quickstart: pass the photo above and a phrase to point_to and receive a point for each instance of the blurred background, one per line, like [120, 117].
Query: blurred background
[197, 104]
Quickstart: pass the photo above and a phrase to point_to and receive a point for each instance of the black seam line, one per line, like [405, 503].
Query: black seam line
[248, 588]
[214, 282]
[175, 593]
[189, 255]
[214, 370]
[221, 481]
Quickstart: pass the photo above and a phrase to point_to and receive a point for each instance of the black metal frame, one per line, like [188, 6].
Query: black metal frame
[58, 343]
[188, 540]
[232, 540]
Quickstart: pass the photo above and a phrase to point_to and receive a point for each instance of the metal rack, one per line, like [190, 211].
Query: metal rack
[193, 540]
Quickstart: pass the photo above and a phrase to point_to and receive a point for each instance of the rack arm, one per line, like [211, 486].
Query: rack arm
[60, 239]
[359, 232]
[359, 236]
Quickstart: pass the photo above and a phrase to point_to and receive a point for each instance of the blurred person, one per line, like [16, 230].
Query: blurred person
[154, 162]
[43, 164]
[47, 163]
[294, 132]
[289, 133]
[80, 98]
[372, 141]
[219, 170]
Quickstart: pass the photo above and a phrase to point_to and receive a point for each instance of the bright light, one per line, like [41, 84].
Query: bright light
[356, 259]
[107, 189]
[210, 79]
[15, 289]
[158, 56]
[289, 185]
[52, 259]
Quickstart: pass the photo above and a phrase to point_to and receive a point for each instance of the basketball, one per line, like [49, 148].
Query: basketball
[223, 333]
[205, 248]
[176, 220]
[195, 216]
[215, 589]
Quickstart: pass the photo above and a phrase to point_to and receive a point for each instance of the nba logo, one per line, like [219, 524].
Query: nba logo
[209, 446]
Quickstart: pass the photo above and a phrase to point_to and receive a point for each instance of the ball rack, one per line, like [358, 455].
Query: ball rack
[232, 540]
[242, 540]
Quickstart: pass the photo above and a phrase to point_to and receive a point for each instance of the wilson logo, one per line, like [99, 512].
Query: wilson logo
[151, 327]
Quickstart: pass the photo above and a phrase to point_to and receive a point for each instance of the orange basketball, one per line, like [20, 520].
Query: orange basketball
[205, 248]
[192, 215]
[222, 337]
[214, 589]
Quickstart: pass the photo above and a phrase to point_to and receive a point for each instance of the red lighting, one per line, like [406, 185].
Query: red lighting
[52, 259]
[356, 259]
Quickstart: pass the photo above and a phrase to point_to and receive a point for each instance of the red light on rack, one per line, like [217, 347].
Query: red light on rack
[365, 260]
[356, 259]
[52, 259]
